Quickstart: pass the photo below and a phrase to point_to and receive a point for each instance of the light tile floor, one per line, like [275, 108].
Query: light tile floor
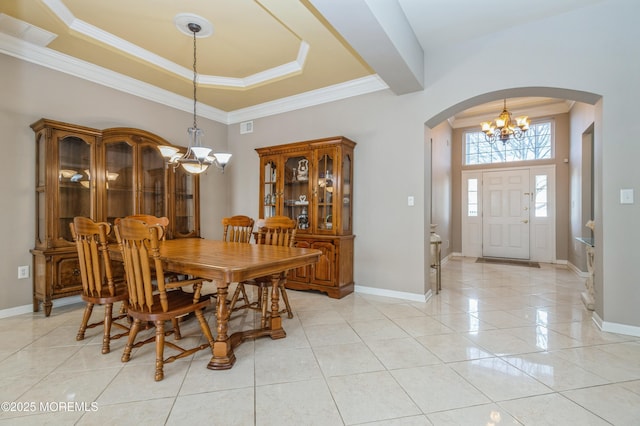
[499, 345]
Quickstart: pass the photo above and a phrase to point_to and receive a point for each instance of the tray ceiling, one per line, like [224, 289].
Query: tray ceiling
[264, 56]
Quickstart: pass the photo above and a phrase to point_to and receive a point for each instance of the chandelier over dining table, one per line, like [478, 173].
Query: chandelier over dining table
[197, 158]
[505, 127]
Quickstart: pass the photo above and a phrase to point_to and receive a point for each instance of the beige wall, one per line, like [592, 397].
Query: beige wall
[581, 119]
[441, 184]
[561, 124]
[389, 165]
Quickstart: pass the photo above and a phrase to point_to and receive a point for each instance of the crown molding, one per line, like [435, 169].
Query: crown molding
[57, 61]
[359, 86]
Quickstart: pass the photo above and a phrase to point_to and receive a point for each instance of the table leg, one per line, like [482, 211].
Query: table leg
[223, 357]
[275, 322]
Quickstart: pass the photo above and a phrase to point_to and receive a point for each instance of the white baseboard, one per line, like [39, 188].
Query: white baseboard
[613, 327]
[392, 293]
[577, 271]
[27, 309]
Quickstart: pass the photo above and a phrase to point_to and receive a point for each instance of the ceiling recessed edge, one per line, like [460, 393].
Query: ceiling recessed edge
[69, 65]
[272, 74]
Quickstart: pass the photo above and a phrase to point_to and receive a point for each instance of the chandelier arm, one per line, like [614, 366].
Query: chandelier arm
[491, 139]
[518, 134]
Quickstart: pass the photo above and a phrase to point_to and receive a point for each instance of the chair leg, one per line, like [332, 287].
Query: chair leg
[108, 318]
[205, 329]
[283, 293]
[176, 328]
[245, 297]
[85, 320]
[126, 355]
[159, 350]
[234, 298]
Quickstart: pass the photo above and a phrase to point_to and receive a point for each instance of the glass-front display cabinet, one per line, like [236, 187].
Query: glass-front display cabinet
[311, 182]
[103, 175]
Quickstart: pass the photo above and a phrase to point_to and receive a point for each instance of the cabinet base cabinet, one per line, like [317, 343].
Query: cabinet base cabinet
[333, 273]
[56, 275]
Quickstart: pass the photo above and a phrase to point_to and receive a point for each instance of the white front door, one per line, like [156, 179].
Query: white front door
[505, 220]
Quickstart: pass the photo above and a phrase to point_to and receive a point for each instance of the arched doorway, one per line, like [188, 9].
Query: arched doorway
[433, 128]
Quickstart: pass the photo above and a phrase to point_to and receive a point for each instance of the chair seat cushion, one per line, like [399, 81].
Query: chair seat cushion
[179, 303]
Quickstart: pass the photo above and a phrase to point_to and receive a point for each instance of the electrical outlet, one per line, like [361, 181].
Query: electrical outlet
[23, 272]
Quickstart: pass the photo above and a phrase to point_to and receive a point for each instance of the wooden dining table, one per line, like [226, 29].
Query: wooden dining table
[224, 263]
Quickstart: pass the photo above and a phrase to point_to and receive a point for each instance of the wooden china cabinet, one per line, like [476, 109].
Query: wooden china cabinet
[101, 174]
[312, 182]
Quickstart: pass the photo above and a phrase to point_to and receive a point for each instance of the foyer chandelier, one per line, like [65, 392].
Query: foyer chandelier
[197, 158]
[505, 128]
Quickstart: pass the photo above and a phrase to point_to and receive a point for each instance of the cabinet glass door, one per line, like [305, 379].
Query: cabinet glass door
[120, 180]
[153, 182]
[41, 195]
[185, 189]
[74, 182]
[270, 188]
[296, 194]
[326, 186]
[346, 195]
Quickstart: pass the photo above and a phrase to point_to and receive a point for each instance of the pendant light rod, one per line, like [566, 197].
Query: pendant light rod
[197, 158]
[195, 29]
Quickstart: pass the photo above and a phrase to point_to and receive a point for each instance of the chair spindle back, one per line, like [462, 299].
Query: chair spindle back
[237, 229]
[139, 244]
[95, 263]
[277, 231]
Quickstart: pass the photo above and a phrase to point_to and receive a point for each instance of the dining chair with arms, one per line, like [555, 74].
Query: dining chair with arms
[276, 231]
[139, 244]
[98, 284]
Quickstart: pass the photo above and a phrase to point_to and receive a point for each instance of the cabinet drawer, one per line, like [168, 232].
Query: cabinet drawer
[68, 277]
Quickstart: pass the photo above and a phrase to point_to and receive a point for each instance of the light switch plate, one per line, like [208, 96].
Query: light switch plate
[411, 201]
[626, 196]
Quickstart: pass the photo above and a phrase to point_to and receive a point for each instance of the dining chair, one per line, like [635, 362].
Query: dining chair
[139, 243]
[162, 221]
[98, 284]
[276, 231]
[238, 229]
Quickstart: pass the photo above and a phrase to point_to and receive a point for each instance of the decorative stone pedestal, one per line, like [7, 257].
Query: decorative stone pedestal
[588, 296]
[436, 243]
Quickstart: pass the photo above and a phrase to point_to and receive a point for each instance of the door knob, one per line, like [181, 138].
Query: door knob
[525, 221]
